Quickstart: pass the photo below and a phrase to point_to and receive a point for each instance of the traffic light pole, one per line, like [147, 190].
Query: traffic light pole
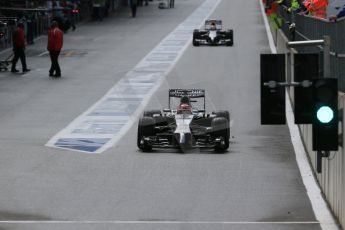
[326, 42]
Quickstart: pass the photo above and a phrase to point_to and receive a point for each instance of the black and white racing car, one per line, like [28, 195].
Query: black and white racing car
[213, 35]
[186, 126]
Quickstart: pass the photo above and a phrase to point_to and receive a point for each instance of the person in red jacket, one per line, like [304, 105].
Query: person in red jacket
[55, 43]
[317, 8]
[18, 41]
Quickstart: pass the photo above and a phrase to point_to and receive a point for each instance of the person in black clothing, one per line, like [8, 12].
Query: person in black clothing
[18, 40]
[133, 4]
[31, 22]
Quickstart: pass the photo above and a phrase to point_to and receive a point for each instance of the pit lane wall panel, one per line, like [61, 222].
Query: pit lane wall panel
[332, 178]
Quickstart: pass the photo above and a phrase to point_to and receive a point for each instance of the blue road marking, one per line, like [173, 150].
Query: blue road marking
[90, 145]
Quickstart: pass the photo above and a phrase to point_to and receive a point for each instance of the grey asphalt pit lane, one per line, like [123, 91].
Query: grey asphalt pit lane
[14, 216]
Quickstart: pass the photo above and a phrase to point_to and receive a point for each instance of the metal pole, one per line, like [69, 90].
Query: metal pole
[304, 43]
[52, 10]
[327, 57]
[318, 162]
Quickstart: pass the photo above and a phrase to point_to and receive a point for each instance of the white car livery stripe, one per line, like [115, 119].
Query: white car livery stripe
[104, 123]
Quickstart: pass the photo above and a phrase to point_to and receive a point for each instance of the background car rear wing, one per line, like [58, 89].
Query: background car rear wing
[191, 93]
[210, 21]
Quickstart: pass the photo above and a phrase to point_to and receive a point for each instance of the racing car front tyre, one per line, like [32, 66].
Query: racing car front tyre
[221, 129]
[146, 128]
[195, 43]
[195, 36]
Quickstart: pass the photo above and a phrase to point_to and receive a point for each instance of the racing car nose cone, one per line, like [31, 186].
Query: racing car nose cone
[182, 138]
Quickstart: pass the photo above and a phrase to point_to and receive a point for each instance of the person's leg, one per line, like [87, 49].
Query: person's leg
[15, 60]
[97, 12]
[73, 20]
[57, 66]
[23, 60]
[134, 10]
[52, 69]
[30, 35]
[101, 13]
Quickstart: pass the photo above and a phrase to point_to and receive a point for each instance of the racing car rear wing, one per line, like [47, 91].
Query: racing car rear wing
[191, 93]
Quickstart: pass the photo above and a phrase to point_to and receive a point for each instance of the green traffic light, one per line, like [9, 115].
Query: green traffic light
[325, 114]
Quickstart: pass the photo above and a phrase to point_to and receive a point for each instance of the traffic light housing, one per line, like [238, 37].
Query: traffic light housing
[306, 68]
[272, 98]
[325, 114]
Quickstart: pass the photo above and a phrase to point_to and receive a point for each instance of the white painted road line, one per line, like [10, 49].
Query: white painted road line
[43, 53]
[163, 222]
[321, 210]
[102, 125]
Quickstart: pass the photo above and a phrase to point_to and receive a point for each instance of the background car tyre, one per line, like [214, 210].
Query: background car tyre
[221, 129]
[146, 128]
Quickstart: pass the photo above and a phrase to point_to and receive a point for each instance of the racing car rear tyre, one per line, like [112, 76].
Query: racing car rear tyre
[230, 34]
[146, 128]
[150, 113]
[221, 129]
[223, 113]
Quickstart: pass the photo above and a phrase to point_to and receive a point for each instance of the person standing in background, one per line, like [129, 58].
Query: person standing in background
[55, 43]
[19, 43]
[98, 6]
[133, 4]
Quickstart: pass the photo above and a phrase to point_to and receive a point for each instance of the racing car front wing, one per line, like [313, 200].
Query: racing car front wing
[181, 141]
[206, 42]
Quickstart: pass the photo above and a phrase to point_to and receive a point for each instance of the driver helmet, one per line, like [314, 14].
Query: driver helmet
[184, 100]
[213, 26]
[184, 105]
